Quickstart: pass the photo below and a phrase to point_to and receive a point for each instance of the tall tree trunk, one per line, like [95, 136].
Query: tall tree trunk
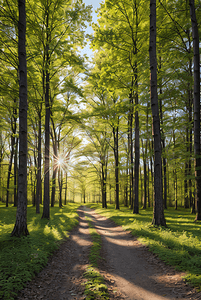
[151, 169]
[130, 147]
[60, 180]
[46, 202]
[190, 104]
[196, 107]
[65, 200]
[15, 173]
[13, 142]
[55, 169]
[84, 195]
[137, 138]
[103, 185]
[148, 189]
[158, 213]
[190, 109]
[164, 186]
[141, 187]
[38, 184]
[164, 173]
[116, 156]
[20, 227]
[145, 177]
[10, 168]
[126, 184]
[186, 190]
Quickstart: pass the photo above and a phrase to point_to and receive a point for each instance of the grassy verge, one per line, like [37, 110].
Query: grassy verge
[178, 245]
[22, 258]
[94, 286]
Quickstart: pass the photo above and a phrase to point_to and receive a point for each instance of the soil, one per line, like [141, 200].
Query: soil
[130, 271]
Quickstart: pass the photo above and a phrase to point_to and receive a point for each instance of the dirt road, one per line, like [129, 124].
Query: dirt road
[130, 270]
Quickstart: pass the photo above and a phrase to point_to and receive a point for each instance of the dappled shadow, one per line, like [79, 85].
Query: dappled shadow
[127, 266]
[62, 277]
[139, 273]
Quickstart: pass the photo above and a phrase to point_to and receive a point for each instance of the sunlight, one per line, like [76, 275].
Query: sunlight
[135, 290]
[61, 161]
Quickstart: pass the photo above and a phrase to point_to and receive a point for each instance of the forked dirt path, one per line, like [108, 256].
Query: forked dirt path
[130, 270]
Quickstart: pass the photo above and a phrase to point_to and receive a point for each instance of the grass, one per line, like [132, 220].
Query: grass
[178, 245]
[22, 258]
[95, 287]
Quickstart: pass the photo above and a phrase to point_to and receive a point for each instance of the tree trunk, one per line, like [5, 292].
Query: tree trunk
[141, 187]
[13, 142]
[10, 168]
[186, 198]
[15, 173]
[116, 156]
[103, 185]
[126, 184]
[164, 187]
[151, 169]
[158, 213]
[46, 202]
[195, 34]
[190, 143]
[130, 147]
[55, 168]
[38, 184]
[137, 140]
[145, 177]
[65, 200]
[20, 227]
[60, 180]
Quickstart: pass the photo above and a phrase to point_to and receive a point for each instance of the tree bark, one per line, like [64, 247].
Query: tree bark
[158, 213]
[13, 143]
[145, 177]
[38, 184]
[130, 147]
[103, 185]
[164, 187]
[60, 180]
[46, 202]
[10, 168]
[195, 34]
[66, 189]
[55, 169]
[116, 156]
[20, 227]
[186, 197]
[15, 173]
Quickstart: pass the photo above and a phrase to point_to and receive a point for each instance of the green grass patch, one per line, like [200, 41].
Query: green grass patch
[22, 258]
[95, 287]
[178, 245]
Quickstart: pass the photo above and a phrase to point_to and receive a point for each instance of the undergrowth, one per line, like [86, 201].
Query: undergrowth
[22, 258]
[178, 245]
[95, 287]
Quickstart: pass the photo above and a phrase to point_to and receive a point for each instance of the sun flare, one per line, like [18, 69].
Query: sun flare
[61, 161]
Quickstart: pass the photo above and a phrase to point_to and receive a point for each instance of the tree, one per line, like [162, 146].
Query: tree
[196, 107]
[158, 214]
[56, 27]
[21, 216]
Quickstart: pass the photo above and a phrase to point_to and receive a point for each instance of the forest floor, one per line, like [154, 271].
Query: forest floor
[130, 271]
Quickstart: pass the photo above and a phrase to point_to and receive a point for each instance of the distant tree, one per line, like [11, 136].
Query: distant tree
[21, 216]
